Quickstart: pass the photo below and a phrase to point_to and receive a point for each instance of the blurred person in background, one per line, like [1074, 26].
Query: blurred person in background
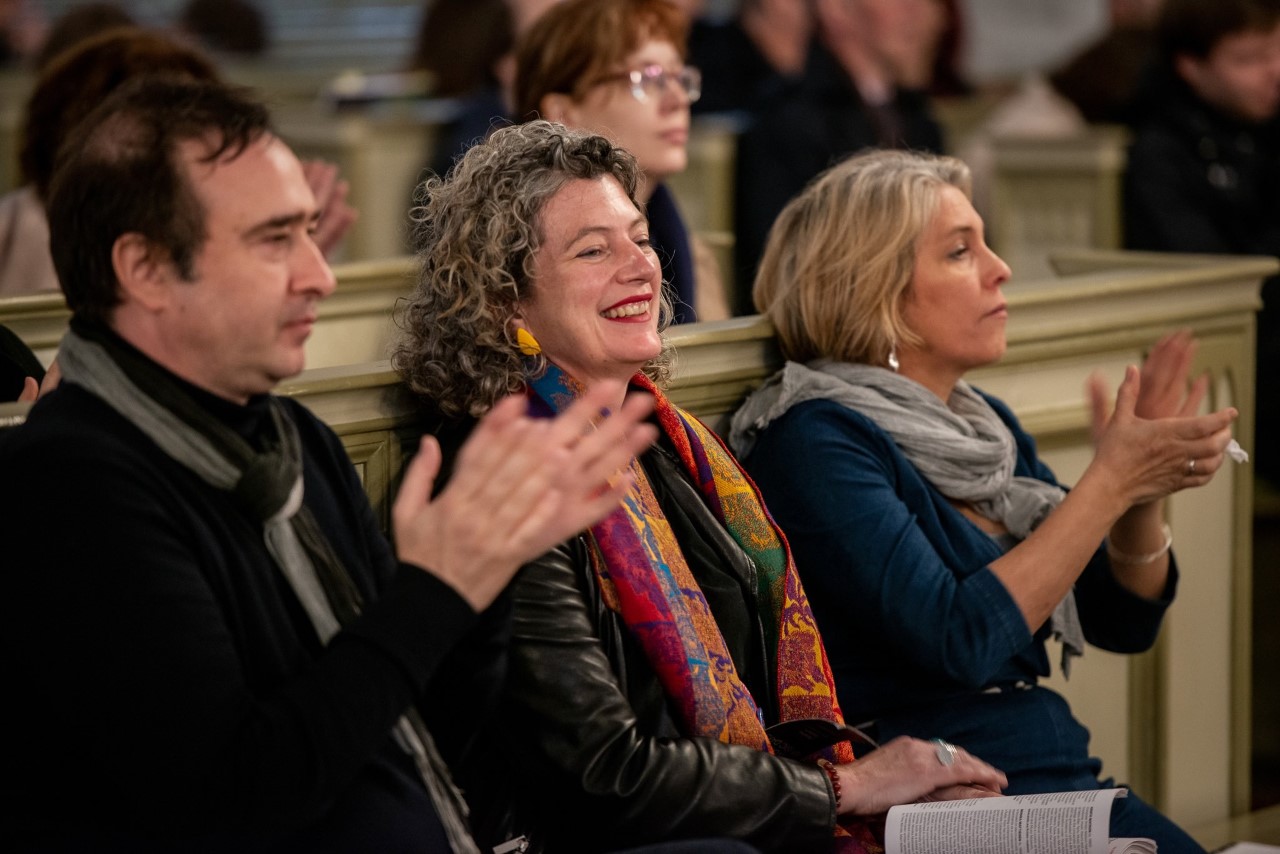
[746, 59]
[22, 31]
[79, 24]
[617, 68]
[864, 86]
[227, 26]
[1204, 167]
[1103, 80]
[466, 48]
[76, 81]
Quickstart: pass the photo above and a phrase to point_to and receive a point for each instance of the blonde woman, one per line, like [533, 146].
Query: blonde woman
[939, 552]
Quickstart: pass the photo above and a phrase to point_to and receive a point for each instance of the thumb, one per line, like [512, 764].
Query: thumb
[30, 390]
[1099, 395]
[1127, 395]
[419, 478]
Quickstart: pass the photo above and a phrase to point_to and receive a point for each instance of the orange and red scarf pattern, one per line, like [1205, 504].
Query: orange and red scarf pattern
[645, 578]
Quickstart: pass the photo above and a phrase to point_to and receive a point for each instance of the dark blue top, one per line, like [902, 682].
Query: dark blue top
[900, 580]
[670, 239]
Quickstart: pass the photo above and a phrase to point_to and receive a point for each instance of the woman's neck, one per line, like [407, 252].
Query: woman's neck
[940, 385]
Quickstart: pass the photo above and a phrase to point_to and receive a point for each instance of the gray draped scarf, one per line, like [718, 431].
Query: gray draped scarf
[961, 447]
[269, 486]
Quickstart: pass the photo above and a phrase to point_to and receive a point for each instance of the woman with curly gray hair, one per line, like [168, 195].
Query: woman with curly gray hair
[666, 677]
[477, 236]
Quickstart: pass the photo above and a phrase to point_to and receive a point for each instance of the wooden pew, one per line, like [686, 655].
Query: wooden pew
[1174, 722]
[1056, 194]
[356, 324]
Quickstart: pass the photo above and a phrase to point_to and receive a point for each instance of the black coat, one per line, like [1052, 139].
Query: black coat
[602, 762]
[165, 689]
[1201, 181]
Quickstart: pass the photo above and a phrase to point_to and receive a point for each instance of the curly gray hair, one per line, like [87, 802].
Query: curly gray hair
[476, 235]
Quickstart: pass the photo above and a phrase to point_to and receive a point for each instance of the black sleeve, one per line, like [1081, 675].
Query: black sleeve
[136, 704]
[1164, 209]
[594, 764]
[17, 362]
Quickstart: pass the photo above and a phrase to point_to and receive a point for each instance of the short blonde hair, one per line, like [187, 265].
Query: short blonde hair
[840, 256]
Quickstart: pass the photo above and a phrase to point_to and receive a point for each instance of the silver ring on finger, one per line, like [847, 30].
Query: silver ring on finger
[945, 751]
[1191, 466]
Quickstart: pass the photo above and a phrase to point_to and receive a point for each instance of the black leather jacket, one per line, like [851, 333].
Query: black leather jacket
[600, 762]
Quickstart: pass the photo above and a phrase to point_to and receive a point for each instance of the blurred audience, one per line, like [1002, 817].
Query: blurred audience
[1103, 79]
[78, 24]
[466, 46]
[1204, 168]
[469, 48]
[22, 31]
[947, 78]
[75, 82]
[861, 89]
[752, 55]
[617, 68]
[227, 26]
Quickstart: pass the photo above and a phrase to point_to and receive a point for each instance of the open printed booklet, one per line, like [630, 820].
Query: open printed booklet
[1055, 823]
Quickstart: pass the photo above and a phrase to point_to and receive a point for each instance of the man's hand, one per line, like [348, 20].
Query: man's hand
[521, 485]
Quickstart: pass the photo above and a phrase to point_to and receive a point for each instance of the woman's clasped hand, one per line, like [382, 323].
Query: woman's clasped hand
[1154, 443]
[910, 769]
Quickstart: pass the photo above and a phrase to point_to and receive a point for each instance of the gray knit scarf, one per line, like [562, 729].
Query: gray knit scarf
[269, 486]
[961, 447]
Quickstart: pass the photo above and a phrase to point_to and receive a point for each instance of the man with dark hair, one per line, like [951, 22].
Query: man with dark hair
[209, 645]
[1204, 168]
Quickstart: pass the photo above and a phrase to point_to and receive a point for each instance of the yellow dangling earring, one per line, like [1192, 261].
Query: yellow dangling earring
[528, 345]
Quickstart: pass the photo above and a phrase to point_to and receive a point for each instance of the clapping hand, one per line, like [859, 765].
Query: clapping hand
[521, 485]
[1165, 391]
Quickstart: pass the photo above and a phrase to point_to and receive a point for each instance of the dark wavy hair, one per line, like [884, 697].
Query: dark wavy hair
[476, 235]
[1194, 27]
[121, 171]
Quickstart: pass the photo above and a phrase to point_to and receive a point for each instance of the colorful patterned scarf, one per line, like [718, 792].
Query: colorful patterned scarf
[644, 577]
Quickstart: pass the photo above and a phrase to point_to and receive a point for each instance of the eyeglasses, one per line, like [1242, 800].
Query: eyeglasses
[652, 82]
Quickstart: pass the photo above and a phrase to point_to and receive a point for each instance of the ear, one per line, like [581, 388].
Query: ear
[559, 107]
[145, 274]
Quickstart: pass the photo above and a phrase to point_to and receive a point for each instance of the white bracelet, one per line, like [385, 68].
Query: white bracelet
[1134, 560]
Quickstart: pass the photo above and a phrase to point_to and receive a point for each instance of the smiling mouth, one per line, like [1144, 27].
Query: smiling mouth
[631, 309]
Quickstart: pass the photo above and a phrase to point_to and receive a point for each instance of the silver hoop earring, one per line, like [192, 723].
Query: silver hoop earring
[893, 358]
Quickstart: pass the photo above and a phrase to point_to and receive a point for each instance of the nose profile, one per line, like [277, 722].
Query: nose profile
[311, 272]
[999, 270]
[641, 263]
